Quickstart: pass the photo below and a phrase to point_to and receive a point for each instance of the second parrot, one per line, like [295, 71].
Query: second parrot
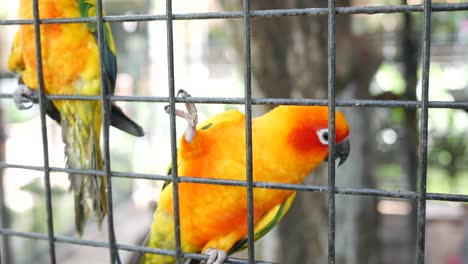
[70, 61]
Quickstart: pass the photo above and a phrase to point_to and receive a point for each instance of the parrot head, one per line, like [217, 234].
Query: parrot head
[306, 133]
[309, 134]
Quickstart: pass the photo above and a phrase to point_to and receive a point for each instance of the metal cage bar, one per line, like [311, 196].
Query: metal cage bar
[266, 185]
[246, 14]
[421, 214]
[105, 107]
[248, 131]
[331, 129]
[45, 145]
[174, 170]
[263, 101]
[370, 10]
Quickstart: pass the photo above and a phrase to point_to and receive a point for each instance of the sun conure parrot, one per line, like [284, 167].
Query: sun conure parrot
[288, 143]
[70, 60]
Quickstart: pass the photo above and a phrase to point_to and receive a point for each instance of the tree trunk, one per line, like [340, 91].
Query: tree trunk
[289, 59]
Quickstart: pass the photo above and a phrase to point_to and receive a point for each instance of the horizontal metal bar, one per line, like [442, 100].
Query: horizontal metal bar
[447, 197]
[93, 243]
[33, 235]
[263, 101]
[83, 242]
[264, 185]
[259, 101]
[368, 10]
[67, 20]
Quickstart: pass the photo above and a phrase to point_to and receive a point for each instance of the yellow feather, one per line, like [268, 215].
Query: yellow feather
[70, 61]
[286, 148]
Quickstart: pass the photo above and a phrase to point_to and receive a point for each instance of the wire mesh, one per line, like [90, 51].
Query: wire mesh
[248, 130]
[426, 49]
[246, 14]
[50, 224]
[331, 126]
[174, 171]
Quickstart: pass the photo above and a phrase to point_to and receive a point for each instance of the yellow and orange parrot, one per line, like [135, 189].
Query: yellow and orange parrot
[289, 142]
[70, 60]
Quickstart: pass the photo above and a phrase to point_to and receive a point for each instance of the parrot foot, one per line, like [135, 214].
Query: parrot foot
[191, 116]
[217, 256]
[24, 97]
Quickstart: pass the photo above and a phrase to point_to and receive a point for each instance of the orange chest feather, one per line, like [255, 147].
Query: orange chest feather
[211, 211]
[69, 51]
[208, 211]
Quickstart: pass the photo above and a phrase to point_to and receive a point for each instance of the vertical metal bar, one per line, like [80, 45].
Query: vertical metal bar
[174, 171]
[5, 254]
[105, 106]
[410, 61]
[248, 131]
[45, 143]
[426, 49]
[331, 126]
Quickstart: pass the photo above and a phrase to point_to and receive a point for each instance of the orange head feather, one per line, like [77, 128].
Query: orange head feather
[310, 129]
[300, 134]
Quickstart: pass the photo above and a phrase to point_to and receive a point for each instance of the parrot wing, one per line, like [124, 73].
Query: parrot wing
[266, 223]
[87, 9]
[118, 118]
[225, 118]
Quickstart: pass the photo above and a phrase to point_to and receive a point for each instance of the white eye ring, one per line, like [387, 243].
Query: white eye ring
[322, 135]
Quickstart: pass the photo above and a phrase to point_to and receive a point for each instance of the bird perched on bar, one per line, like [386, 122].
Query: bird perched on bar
[288, 143]
[71, 66]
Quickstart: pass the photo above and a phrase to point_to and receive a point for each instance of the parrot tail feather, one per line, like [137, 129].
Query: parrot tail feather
[124, 123]
[82, 151]
[81, 213]
[97, 188]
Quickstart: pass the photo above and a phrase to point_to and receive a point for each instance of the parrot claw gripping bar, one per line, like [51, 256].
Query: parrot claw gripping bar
[24, 97]
[216, 256]
[191, 116]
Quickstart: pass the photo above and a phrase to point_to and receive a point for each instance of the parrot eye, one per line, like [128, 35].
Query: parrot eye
[323, 136]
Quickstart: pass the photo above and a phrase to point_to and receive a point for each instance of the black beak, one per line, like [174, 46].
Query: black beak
[342, 150]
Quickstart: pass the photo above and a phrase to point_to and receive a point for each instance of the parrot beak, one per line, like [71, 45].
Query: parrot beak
[342, 150]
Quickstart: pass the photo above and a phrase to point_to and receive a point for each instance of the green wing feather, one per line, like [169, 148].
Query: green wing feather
[263, 225]
[88, 9]
[266, 223]
[119, 120]
[224, 118]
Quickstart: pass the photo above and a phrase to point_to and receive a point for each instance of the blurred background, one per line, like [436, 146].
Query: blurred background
[378, 57]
